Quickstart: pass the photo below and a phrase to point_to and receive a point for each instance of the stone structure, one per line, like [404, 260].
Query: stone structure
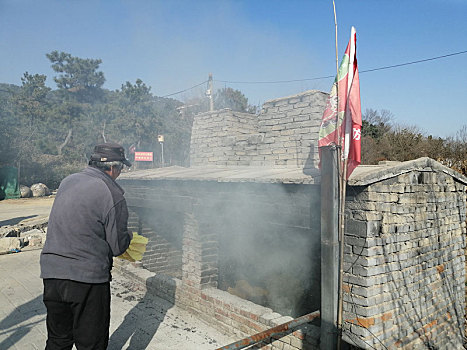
[404, 257]
[210, 228]
[225, 234]
[284, 134]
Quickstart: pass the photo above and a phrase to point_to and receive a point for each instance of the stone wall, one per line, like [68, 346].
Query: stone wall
[229, 313]
[224, 138]
[284, 134]
[290, 126]
[163, 227]
[265, 235]
[214, 225]
[404, 262]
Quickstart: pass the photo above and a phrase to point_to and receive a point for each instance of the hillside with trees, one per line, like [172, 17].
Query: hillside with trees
[382, 139]
[49, 133]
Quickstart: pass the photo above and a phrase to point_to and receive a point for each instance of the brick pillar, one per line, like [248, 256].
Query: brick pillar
[134, 222]
[200, 254]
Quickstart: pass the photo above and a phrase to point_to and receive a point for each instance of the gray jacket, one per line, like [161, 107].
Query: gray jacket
[87, 227]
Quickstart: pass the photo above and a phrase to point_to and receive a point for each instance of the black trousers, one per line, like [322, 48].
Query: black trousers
[77, 313]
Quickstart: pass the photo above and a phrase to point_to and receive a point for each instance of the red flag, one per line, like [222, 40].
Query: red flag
[341, 124]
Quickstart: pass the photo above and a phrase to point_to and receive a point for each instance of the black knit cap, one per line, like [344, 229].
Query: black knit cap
[109, 152]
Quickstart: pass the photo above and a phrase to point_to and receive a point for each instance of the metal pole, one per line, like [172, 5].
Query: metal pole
[211, 102]
[335, 26]
[162, 153]
[329, 245]
[340, 205]
[343, 185]
[19, 172]
[256, 338]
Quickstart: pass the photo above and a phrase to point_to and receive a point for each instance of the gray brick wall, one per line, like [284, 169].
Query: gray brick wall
[268, 225]
[284, 134]
[290, 126]
[223, 138]
[228, 313]
[405, 263]
[164, 249]
[266, 235]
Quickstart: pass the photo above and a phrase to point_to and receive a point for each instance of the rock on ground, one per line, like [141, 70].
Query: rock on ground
[25, 191]
[40, 190]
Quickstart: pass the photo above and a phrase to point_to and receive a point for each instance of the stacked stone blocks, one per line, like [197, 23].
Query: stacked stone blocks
[213, 205]
[223, 138]
[227, 312]
[284, 134]
[163, 255]
[404, 262]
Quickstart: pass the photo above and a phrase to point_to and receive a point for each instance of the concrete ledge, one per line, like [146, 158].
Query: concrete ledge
[228, 313]
[16, 230]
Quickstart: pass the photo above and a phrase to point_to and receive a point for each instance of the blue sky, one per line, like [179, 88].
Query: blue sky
[173, 45]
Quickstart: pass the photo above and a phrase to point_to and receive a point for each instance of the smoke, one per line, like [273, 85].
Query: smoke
[269, 244]
[267, 236]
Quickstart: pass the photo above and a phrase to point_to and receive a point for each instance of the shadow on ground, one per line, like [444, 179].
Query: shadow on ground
[141, 323]
[15, 221]
[20, 321]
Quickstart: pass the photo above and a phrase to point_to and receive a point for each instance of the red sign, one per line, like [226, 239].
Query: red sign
[143, 156]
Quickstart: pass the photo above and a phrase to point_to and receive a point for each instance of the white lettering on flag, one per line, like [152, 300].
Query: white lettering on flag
[357, 133]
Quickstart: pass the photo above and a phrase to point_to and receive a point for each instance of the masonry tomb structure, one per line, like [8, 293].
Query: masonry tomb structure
[236, 238]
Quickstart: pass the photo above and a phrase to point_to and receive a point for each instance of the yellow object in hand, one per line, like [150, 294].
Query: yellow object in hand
[136, 249]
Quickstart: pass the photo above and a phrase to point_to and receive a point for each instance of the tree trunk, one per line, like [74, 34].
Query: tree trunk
[103, 132]
[67, 139]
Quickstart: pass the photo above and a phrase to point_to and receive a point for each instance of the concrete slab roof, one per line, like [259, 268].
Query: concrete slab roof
[367, 174]
[227, 174]
[363, 175]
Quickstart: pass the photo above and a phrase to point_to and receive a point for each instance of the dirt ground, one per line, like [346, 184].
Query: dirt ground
[24, 211]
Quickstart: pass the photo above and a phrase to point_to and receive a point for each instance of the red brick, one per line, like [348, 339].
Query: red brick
[386, 316]
[238, 318]
[255, 326]
[299, 334]
[221, 311]
[249, 315]
[429, 325]
[362, 321]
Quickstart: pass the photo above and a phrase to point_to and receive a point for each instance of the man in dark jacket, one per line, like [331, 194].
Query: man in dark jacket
[87, 228]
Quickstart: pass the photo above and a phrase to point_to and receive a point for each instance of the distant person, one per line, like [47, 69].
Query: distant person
[87, 228]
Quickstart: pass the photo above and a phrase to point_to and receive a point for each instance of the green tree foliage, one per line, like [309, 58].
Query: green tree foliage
[78, 76]
[79, 86]
[233, 99]
[8, 122]
[30, 107]
[139, 119]
[50, 133]
[133, 116]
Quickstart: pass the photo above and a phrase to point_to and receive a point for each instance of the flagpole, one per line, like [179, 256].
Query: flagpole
[342, 176]
[335, 26]
[343, 185]
[337, 70]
